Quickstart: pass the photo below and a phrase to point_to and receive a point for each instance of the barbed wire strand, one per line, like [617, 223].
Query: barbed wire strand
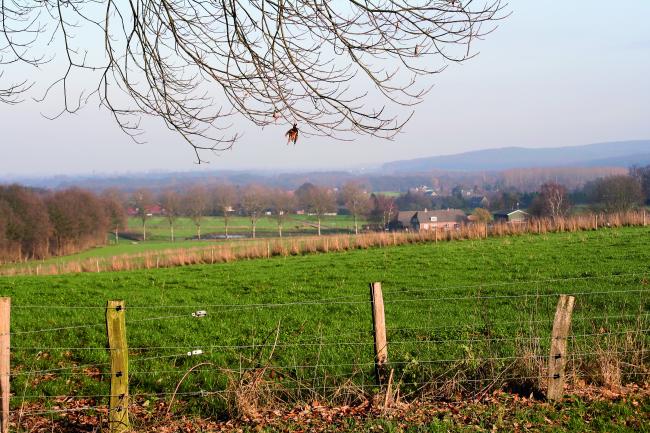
[477, 286]
[337, 343]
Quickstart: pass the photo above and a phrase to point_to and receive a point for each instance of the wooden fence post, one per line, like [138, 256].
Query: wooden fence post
[379, 331]
[558, 355]
[118, 416]
[5, 364]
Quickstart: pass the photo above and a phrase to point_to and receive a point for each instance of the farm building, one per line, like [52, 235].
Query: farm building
[151, 210]
[428, 220]
[513, 216]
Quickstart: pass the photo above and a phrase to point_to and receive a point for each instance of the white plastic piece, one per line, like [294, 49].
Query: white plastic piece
[200, 313]
[195, 352]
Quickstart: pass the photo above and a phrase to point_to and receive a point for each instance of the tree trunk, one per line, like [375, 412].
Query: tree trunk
[144, 230]
[198, 231]
[319, 225]
[171, 227]
[117, 235]
[253, 225]
[225, 223]
[356, 227]
[280, 229]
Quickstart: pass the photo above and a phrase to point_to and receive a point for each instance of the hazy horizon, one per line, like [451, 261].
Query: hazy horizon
[547, 77]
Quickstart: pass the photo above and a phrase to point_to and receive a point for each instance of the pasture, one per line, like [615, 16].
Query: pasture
[462, 317]
[158, 235]
[267, 226]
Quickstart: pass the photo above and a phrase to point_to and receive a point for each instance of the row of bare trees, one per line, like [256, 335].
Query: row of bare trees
[255, 201]
[611, 194]
[37, 224]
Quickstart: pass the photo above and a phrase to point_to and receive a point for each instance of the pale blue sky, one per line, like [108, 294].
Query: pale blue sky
[554, 74]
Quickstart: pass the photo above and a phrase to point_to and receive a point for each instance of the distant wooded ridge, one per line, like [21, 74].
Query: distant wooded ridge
[610, 154]
[520, 168]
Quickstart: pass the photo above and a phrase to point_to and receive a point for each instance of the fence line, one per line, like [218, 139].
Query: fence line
[311, 366]
[521, 282]
[411, 356]
[326, 301]
[226, 391]
[287, 246]
[338, 343]
[237, 307]
[533, 295]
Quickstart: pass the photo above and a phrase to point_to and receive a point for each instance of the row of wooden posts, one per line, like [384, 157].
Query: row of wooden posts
[118, 417]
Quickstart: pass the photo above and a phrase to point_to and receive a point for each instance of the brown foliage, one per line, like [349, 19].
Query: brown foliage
[252, 249]
[34, 225]
[618, 193]
[28, 228]
[78, 219]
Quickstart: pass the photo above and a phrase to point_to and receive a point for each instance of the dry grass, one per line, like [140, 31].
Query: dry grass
[308, 245]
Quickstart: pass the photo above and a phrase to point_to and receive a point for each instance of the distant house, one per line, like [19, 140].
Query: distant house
[428, 220]
[426, 190]
[514, 216]
[152, 210]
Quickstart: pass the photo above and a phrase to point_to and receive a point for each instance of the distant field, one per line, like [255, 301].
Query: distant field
[158, 234]
[389, 193]
[461, 311]
[158, 227]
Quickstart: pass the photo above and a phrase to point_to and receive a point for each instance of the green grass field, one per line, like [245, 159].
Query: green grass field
[158, 227]
[462, 310]
[158, 235]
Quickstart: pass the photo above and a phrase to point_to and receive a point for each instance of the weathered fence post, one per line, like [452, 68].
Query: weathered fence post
[379, 331]
[5, 364]
[558, 355]
[118, 416]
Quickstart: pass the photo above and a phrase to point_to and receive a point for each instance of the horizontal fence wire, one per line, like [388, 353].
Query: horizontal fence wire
[205, 393]
[526, 295]
[337, 343]
[311, 366]
[335, 300]
[190, 314]
[93, 325]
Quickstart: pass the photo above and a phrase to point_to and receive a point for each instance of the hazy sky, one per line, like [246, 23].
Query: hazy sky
[553, 74]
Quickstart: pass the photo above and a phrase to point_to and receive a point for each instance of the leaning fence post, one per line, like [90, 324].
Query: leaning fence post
[5, 364]
[379, 331]
[118, 417]
[558, 355]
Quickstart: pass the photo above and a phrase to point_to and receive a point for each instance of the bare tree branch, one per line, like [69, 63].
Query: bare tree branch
[332, 67]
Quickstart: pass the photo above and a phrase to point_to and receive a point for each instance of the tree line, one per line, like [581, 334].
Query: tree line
[614, 193]
[35, 224]
[254, 201]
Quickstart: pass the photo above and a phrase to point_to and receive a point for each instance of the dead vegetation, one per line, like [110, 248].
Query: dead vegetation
[254, 249]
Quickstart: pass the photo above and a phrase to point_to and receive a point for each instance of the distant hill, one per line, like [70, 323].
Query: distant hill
[612, 154]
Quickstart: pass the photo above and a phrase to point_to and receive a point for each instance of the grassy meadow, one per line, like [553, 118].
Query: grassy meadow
[158, 227]
[460, 316]
[158, 235]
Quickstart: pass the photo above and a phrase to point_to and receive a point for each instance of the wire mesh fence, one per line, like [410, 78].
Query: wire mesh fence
[442, 341]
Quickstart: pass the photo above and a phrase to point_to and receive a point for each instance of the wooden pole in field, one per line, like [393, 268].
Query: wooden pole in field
[379, 331]
[558, 355]
[5, 364]
[118, 416]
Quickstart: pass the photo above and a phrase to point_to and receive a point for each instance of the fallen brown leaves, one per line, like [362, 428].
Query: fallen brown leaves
[319, 417]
